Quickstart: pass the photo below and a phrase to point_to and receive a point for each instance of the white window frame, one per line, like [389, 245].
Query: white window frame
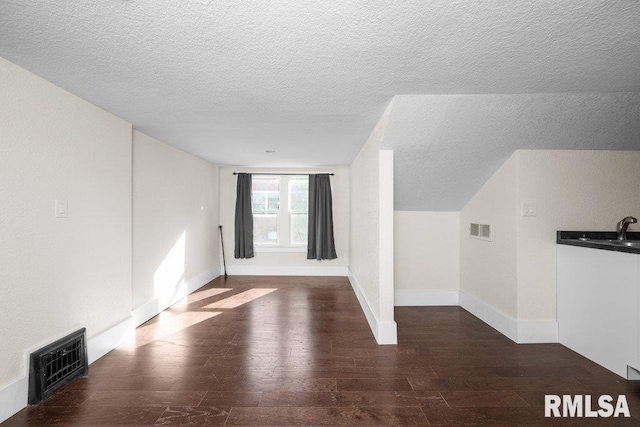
[284, 215]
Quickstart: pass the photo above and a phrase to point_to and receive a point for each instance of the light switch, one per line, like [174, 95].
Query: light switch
[61, 208]
[529, 209]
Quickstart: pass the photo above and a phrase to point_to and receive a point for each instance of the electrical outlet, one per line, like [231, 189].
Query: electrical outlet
[529, 209]
[62, 208]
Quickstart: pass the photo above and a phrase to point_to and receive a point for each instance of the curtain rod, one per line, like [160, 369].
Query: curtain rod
[292, 174]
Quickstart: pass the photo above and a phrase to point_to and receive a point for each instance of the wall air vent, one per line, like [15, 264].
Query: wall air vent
[57, 364]
[480, 231]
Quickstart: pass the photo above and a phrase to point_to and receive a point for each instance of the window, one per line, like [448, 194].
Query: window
[280, 210]
[298, 209]
[265, 204]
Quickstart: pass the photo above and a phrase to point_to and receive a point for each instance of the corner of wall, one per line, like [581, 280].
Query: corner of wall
[489, 268]
[386, 237]
[371, 233]
[518, 331]
[385, 332]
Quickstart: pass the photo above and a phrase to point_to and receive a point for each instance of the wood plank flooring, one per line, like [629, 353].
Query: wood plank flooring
[298, 351]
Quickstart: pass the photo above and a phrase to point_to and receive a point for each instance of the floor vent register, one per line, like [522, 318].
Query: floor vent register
[57, 364]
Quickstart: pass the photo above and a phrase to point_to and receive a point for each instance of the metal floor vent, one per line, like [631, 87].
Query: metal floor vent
[57, 364]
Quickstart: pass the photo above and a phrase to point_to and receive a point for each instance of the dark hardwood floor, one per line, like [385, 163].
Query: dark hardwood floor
[298, 351]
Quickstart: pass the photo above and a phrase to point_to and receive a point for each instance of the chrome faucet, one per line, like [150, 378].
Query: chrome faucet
[621, 227]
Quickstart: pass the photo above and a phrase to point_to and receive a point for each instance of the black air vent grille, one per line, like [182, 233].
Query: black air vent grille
[57, 364]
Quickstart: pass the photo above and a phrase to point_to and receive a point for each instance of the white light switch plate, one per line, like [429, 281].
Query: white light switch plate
[62, 208]
[529, 209]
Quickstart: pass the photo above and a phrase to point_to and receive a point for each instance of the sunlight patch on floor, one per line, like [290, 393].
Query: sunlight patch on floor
[168, 325]
[202, 295]
[240, 299]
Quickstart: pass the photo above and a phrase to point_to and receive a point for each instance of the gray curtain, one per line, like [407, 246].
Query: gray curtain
[244, 217]
[320, 243]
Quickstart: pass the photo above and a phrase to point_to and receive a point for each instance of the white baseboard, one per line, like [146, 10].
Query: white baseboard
[203, 278]
[105, 341]
[537, 332]
[155, 307]
[495, 318]
[13, 397]
[521, 332]
[384, 332]
[287, 270]
[417, 298]
[633, 374]
[146, 312]
[387, 333]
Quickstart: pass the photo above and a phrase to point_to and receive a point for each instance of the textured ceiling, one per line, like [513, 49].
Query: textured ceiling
[447, 146]
[228, 80]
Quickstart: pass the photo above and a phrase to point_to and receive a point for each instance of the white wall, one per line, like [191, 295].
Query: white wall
[511, 282]
[287, 263]
[573, 190]
[371, 239]
[427, 258]
[175, 222]
[59, 273]
[488, 269]
[365, 238]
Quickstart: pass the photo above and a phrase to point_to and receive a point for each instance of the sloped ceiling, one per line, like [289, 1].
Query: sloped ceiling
[310, 79]
[447, 146]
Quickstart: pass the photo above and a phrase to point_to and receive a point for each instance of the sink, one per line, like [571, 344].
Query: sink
[606, 240]
[627, 243]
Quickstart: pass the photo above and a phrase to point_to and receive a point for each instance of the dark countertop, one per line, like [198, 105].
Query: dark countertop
[598, 240]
